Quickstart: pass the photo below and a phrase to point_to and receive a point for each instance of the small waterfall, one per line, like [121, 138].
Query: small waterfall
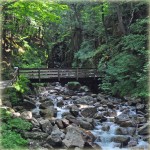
[104, 137]
[60, 110]
[37, 109]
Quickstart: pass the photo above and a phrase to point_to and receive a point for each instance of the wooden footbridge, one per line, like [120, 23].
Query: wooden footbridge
[52, 74]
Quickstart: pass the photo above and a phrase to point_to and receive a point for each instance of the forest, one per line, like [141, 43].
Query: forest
[109, 36]
[112, 37]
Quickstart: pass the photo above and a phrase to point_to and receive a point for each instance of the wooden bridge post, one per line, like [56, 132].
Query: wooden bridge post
[77, 74]
[58, 75]
[39, 75]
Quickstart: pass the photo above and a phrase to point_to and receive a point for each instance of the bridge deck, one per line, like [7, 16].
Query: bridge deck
[48, 73]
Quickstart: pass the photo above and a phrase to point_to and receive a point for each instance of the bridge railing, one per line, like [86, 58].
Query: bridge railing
[46, 73]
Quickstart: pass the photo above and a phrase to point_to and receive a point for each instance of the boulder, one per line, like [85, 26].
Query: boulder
[16, 115]
[140, 106]
[56, 137]
[111, 113]
[18, 108]
[105, 127]
[98, 115]
[74, 110]
[73, 137]
[26, 115]
[35, 123]
[73, 86]
[46, 104]
[46, 126]
[124, 121]
[121, 131]
[59, 123]
[48, 112]
[71, 119]
[85, 100]
[65, 122]
[111, 105]
[84, 89]
[121, 139]
[7, 103]
[60, 103]
[53, 91]
[74, 97]
[89, 139]
[102, 98]
[144, 129]
[89, 112]
[28, 104]
[132, 143]
[35, 135]
[141, 119]
[84, 124]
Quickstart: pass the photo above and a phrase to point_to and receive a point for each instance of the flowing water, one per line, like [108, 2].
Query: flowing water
[103, 138]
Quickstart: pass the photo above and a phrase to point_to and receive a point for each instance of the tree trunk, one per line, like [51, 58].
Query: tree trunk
[120, 20]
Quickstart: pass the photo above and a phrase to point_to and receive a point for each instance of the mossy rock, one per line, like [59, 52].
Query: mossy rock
[73, 85]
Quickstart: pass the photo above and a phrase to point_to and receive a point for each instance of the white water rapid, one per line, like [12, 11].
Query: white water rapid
[103, 136]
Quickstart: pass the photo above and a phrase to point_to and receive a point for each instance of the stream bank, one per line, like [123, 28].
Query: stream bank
[72, 117]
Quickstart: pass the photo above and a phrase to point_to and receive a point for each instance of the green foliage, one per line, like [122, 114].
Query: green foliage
[22, 84]
[10, 128]
[140, 26]
[13, 95]
[12, 140]
[18, 123]
[84, 55]
[123, 76]
[5, 114]
[135, 43]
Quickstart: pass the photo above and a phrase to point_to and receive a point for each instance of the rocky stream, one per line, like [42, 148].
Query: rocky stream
[66, 117]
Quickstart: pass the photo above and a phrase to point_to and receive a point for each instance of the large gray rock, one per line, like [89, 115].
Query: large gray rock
[121, 131]
[56, 137]
[71, 119]
[48, 112]
[124, 121]
[121, 139]
[26, 115]
[101, 97]
[73, 137]
[85, 100]
[65, 122]
[132, 143]
[59, 123]
[84, 89]
[89, 112]
[27, 104]
[140, 106]
[35, 135]
[46, 104]
[74, 110]
[46, 126]
[144, 129]
[84, 124]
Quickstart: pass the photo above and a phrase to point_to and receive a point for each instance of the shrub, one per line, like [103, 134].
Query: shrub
[12, 95]
[12, 140]
[22, 84]
[18, 123]
[10, 127]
